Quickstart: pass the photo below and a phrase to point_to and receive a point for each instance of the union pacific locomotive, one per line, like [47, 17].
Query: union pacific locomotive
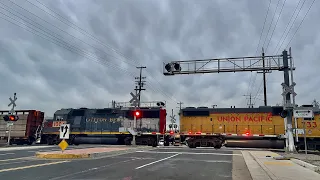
[97, 125]
[246, 127]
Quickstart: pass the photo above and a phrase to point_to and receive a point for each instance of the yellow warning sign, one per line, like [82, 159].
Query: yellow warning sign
[63, 145]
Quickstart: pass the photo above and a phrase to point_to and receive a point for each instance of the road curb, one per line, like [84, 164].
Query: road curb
[254, 167]
[87, 155]
[61, 156]
[306, 165]
[264, 168]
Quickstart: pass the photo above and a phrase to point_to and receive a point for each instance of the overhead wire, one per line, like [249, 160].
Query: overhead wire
[260, 86]
[86, 33]
[265, 20]
[291, 26]
[256, 74]
[266, 50]
[54, 39]
[299, 24]
[284, 32]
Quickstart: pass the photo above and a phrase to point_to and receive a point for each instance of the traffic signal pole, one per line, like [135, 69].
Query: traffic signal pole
[244, 64]
[134, 125]
[9, 135]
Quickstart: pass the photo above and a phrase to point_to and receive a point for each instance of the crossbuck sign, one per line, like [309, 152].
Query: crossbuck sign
[134, 101]
[13, 102]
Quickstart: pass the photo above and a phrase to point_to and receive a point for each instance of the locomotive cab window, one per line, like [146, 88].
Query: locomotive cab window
[277, 110]
[196, 113]
[78, 113]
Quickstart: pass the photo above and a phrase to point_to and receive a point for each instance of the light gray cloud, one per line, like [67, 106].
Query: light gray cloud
[64, 71]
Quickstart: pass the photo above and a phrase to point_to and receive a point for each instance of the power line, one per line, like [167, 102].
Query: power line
[55, 40]
[284, 32]
[93, 38]
[62, 31]
[275, 24]
[258, 92]
[300, 23]
[291, 26]
[264, 23]
[271, 23]
[264, 72]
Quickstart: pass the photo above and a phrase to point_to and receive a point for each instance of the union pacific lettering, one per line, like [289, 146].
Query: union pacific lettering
[245, 118]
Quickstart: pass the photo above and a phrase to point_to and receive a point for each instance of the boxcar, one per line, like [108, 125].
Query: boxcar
[23, 131]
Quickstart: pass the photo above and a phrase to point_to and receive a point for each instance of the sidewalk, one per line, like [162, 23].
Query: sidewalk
[263, 166]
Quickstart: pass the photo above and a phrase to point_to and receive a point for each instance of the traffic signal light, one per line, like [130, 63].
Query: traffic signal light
[10, 118]
[137, 114]
[172, 67]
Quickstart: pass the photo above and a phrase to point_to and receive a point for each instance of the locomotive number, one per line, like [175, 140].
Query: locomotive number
[311, 124]
[58, 123]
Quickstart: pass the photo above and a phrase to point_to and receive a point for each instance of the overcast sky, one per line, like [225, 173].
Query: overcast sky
[83, 53]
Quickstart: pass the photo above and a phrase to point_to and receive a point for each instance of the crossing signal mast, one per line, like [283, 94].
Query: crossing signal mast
[10, 118]
[242, 64]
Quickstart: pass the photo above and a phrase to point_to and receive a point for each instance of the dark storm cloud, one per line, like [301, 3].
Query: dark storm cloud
[81, 71]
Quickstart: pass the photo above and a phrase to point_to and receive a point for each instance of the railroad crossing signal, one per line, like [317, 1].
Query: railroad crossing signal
[10, 118]
[134, 101]
[303, 114]
[64, 131]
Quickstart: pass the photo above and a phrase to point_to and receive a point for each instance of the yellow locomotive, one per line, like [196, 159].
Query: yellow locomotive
[262, 123]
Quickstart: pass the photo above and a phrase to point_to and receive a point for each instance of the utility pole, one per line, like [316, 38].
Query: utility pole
[250, 100]
[264, 71]
[140, 83]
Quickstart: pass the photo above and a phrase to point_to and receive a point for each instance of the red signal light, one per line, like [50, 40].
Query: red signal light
[137, 113]
[247, 133]
[11, 118]
[171, 132]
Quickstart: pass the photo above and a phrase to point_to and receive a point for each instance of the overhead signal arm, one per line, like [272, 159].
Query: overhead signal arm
[238, 64]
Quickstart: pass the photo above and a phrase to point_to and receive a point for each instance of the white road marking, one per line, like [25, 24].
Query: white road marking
[26, 167]
[6, 154]
[22, 148]
[4, 160]
[191, 153]
[157, 161]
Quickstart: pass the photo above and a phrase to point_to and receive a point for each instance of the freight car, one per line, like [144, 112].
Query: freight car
[97, 125]
[250, 126]
[23, 131]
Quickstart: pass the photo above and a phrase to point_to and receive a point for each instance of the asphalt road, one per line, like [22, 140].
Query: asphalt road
[155, 164]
